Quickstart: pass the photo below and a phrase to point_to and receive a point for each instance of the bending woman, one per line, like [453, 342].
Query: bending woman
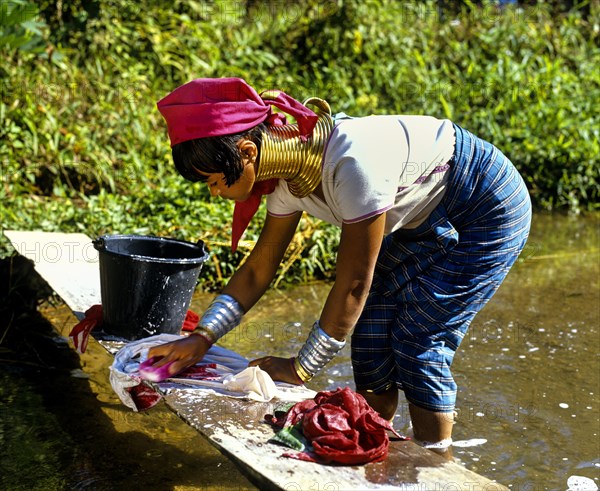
[431, 216]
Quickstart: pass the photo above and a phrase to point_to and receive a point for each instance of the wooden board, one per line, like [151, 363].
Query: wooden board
[68, 263]
[236, 427]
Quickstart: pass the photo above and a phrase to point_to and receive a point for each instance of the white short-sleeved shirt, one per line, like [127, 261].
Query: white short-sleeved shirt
[374, 164]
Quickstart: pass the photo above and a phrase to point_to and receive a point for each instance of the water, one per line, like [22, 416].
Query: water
[528, 370]
[528, 375]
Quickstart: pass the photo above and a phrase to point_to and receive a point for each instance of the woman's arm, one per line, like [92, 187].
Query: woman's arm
[253, 277]
[246, 286]
[359, 247]
[357, 254]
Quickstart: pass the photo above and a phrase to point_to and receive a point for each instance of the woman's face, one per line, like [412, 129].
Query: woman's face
[238, 191]
[241, 189]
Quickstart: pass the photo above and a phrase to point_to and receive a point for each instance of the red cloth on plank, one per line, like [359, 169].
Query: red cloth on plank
[341, 427]
[80, 334]
[93, 317]
[200, 372]
[144, 397]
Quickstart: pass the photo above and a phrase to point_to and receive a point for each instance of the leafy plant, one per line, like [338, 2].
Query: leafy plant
[83, 148]
[20, 27]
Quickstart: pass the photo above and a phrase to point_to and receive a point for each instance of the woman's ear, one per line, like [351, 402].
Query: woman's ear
[248, 150]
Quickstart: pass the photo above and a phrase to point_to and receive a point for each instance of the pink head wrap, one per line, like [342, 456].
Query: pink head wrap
[223, 106]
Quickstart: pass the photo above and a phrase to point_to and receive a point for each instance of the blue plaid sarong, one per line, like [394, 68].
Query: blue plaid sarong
[430, 281]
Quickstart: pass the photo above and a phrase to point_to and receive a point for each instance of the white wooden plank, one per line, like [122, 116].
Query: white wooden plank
[68, 263]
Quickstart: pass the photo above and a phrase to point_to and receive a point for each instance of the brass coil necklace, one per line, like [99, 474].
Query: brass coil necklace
[283, 155]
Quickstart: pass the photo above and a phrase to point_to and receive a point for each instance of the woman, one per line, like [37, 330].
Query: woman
[431, 219]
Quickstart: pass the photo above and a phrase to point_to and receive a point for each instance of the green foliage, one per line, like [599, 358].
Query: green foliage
[83, 148]
[19, 27]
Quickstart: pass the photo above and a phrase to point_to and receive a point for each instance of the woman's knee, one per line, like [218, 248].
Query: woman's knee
[385, 403]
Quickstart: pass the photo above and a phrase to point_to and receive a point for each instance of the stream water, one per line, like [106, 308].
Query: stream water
[528, 375]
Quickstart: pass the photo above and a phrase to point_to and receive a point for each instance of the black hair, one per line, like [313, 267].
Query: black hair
[214, 154]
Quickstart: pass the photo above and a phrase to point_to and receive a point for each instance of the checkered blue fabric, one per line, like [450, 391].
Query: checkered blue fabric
[430, 282]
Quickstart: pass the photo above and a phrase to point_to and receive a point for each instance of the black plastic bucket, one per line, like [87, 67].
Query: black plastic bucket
[146, 283]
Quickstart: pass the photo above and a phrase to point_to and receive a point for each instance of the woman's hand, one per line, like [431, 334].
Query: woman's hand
[280, 369]
[183, 353]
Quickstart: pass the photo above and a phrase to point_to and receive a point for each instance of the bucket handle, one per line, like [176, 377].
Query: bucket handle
[99, 244]
[200, 243]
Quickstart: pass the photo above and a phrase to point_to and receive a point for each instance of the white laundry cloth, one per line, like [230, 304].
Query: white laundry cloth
[255, 382]
[229, 375]
[124, 374]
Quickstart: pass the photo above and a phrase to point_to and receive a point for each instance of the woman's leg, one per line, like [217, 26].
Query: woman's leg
[428, 426]
[432, 429]
[431, 426]
[449, 268]
[385, 403]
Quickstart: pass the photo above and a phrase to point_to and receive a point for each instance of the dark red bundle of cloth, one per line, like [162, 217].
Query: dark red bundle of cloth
[341, 427]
